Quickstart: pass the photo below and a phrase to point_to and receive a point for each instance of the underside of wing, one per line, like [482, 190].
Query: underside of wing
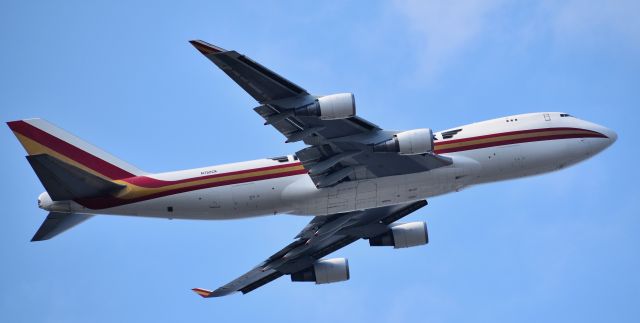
[302, 259]
[342, 145]
[260, 82]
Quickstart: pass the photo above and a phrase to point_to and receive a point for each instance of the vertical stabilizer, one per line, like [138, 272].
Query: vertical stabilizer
[38, 137]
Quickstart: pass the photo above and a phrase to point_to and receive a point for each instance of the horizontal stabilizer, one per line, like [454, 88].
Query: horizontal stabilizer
[203, 292]
[56, 223]
[66, 182]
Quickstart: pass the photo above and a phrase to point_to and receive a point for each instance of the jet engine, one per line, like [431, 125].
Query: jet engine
[411, 142]
[403, 235]
[324, 271]
[330, 107]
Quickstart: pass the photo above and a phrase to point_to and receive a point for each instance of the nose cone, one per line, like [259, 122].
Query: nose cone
[612, 135]
[603, 143]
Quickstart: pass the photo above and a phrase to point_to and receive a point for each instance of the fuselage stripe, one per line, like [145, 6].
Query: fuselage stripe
[149, 182]
[106, 202]
[513, 137]
[135, 191]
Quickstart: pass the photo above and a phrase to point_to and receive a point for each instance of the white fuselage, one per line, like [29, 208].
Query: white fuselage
[488, 151]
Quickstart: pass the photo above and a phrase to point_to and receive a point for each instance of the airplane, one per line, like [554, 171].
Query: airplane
[356, 179]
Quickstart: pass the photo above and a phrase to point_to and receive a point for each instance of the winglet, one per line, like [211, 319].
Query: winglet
[206, 48]
[203, 292]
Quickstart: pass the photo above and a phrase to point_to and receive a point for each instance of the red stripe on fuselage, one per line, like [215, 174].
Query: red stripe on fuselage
[68, 150]
[590, 134]
[106, 202]
[148, 182]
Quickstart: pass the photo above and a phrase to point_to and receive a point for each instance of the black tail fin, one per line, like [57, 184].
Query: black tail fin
[66, 182]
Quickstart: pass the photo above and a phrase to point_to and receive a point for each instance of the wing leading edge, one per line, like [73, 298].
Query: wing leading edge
[322, 236]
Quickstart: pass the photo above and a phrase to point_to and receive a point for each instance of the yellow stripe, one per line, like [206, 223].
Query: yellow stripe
[511, 137]
[134, 191]
[34, 148]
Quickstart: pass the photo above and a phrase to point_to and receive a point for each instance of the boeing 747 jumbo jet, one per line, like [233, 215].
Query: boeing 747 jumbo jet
[354, 177]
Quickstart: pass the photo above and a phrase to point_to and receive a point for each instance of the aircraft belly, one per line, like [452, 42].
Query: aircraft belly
[366, 194]
[225, 202]
[372, 193]
[526, 159]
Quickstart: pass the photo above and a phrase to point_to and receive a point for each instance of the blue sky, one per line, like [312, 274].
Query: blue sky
[558, 247]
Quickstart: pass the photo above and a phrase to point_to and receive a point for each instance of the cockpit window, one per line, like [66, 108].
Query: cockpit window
[281, 159]
[449, 134]
[563, 115]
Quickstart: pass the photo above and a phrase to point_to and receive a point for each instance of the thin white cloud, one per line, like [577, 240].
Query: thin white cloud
[580, 19]
[446, 27]
[445, 30]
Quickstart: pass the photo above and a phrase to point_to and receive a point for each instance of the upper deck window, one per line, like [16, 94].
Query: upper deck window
[281, 159]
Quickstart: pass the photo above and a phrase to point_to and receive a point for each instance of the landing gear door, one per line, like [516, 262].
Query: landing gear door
[366, 194]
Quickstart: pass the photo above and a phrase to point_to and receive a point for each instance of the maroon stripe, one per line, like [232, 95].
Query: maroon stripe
[106, 202]
[517, 141]
[149, 182]
[509, 133]
[68, 150]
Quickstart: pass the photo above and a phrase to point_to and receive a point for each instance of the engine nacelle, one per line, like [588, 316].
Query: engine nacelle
[324, 271]
[412, 142]
[330, 107]
[403, 235]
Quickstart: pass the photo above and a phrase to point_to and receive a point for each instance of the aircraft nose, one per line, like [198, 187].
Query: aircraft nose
[600, 145]
[613, 136]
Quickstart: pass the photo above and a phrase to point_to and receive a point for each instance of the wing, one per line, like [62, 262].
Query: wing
[322, 236]
[261, 83]
[339, 149]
